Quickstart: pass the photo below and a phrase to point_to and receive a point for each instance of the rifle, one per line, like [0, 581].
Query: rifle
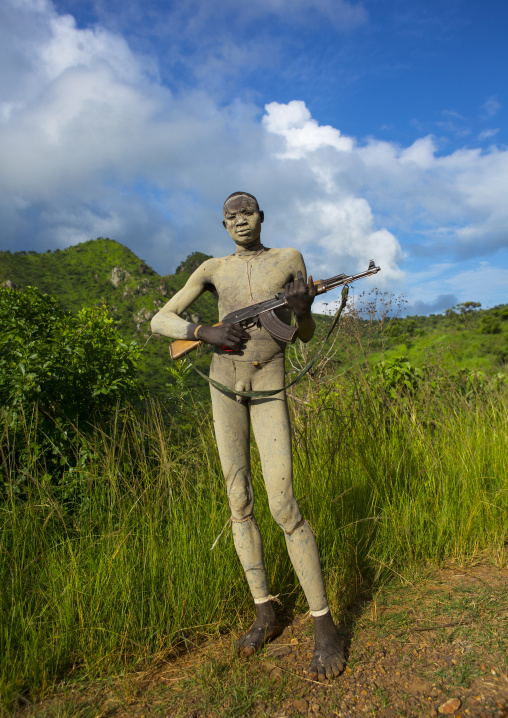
[264, 312]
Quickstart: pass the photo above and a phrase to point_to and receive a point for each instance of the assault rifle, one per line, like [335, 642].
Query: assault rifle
[264, 313]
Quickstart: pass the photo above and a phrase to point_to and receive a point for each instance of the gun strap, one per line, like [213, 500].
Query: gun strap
[300, 375]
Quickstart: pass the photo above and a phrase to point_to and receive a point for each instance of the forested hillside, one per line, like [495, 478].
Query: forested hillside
[104, 271]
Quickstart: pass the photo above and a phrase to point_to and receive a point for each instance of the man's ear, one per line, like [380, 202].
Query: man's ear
[262, 216]
[224, 223]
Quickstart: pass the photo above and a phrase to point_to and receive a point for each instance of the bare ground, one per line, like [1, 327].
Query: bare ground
[439, 646]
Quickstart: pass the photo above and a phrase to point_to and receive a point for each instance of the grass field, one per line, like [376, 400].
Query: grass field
[122, 573]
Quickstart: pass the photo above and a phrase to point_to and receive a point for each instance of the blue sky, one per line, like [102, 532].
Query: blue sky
[373, 128]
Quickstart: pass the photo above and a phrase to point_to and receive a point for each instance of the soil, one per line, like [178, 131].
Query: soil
[439, 646]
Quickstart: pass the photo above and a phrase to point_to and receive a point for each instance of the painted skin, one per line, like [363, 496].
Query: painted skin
[255, 273]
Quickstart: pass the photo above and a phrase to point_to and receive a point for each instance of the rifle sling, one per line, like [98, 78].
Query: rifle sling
[300, 375]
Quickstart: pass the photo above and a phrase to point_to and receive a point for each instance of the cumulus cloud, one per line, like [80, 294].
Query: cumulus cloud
[102, 148]
[94, 144]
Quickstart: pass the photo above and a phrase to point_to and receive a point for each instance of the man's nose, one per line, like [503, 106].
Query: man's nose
[240, 219]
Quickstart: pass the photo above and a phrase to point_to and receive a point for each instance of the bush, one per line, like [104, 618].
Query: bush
[490, 325]
[72, 368]
[398, 376]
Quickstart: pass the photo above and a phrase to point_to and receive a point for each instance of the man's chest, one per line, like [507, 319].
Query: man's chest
[240, 282]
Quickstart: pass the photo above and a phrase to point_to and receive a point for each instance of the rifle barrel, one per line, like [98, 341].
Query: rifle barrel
[278, 302]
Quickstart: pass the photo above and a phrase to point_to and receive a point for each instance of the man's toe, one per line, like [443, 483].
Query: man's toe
[321, 674]
[336, 667]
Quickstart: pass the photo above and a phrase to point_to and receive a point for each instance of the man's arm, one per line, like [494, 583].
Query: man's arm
[299, 295]
[168, 322]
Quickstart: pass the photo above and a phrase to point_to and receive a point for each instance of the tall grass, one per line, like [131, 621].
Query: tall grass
[125, 572]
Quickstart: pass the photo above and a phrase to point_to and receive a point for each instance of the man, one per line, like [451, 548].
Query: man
[255, 273]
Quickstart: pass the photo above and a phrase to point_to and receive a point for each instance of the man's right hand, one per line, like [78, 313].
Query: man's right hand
[231, 336]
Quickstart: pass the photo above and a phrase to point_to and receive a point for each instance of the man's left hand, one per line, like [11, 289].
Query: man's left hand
[300, 295]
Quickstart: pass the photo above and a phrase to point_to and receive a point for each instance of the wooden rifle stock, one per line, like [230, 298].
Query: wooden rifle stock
[181, 347]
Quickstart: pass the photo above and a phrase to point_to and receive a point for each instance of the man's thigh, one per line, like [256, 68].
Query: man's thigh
[232, 432]
[272, 431]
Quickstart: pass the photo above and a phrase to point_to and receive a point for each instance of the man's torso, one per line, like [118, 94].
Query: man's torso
[242, 280]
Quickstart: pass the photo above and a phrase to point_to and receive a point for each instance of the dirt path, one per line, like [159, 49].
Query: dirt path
[413, 650]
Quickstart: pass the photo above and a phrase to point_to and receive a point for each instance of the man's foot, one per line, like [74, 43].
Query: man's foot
[264, 628]
[328, 657]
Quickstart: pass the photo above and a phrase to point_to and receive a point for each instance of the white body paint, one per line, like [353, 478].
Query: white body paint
[239, 280]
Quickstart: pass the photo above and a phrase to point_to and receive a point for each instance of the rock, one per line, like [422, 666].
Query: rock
[142, 315]
[450, 706]
[195, 318]
[301, 705]
[10, 285]
[118, 275]
[163, 289]
[144, 287]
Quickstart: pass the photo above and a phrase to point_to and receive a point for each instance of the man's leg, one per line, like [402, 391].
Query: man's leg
[271, 425]
[232, 431]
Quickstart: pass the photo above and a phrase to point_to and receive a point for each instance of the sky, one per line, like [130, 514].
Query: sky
[374, 129]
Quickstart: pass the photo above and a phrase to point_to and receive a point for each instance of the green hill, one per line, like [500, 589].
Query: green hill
[103, 270]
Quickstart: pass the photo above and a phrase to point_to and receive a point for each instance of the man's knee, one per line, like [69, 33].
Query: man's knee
[286, 512]
[241, 499]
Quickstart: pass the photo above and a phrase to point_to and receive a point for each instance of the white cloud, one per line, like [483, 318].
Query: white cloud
[94, 144]
[485, 283]
[487, 134]
[491, 107]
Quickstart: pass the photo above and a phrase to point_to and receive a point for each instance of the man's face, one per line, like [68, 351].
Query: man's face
[243, 220]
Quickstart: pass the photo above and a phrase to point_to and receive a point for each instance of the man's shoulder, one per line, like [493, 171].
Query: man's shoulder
[289, 252]
[209, 265]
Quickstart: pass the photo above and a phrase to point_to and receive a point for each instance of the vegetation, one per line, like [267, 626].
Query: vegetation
[104, 272]
[59, 374]
[126, 574]
[107, 562]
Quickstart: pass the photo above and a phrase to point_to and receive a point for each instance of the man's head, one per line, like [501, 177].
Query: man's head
[243, 218]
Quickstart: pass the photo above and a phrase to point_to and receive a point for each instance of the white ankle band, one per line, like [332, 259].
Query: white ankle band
[262, 600]
[323, 612]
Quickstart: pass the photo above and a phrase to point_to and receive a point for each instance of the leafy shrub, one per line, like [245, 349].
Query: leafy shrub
[73, 368]
[397, 376]
[490, 325]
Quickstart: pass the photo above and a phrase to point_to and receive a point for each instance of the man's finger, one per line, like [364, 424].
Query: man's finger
[240, 331]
